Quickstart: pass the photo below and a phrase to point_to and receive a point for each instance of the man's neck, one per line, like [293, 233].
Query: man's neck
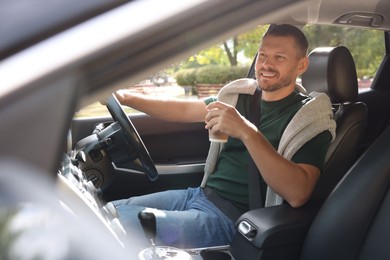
[278, 94]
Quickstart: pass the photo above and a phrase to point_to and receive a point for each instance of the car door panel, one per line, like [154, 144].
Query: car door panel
[178, 150]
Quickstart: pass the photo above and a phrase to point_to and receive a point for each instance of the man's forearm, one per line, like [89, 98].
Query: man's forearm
[166, 109]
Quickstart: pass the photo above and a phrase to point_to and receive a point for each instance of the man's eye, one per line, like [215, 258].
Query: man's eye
[262, 56]
[281, 58]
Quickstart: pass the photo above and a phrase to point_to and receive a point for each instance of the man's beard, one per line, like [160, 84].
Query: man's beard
[282, 83]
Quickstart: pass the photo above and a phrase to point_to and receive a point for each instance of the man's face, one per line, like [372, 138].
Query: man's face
[278, 63]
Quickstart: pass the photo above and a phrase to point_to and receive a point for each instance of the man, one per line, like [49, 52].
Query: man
[196, 217]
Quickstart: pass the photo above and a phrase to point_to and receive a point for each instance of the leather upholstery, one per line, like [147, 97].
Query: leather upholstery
[354, 221]
[332, 70]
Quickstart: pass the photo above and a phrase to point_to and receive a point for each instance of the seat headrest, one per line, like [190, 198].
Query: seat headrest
[332, 70]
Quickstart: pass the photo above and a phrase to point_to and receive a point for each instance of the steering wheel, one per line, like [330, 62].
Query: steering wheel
[132, 137]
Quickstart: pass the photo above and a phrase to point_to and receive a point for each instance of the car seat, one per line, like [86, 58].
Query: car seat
[354, 221]
[332, 71]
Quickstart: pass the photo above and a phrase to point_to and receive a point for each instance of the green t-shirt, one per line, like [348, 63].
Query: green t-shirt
[230, 177]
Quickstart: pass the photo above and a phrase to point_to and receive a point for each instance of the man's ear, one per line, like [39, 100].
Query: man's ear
[303, 65]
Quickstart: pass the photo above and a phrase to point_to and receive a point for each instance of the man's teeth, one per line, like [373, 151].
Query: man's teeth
[265, 74]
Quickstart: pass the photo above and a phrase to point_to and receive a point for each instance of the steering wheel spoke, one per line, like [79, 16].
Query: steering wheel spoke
[132, 137]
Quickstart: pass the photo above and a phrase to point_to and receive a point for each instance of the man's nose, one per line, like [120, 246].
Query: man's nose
[266, 62]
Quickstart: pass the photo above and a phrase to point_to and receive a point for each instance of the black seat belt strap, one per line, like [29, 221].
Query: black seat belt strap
[254, 186]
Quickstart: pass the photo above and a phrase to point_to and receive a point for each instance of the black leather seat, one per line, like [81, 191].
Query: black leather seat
[332, 70]
[354, 221]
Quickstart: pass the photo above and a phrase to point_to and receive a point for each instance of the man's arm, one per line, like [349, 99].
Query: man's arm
[178, 110]
[294, 182]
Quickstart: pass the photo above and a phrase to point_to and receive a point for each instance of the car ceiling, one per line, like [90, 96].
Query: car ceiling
[40, 19]
[366, 13]
[25, 22]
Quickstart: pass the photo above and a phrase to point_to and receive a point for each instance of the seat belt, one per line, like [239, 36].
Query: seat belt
[256, 199]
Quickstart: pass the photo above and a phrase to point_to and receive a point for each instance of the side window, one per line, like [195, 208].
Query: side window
[159, 84]
[204, 73]
[366, 46]
[198, 76]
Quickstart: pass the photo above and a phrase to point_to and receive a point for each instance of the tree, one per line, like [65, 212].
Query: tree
[232, 53]
[249, 42]
[228, 52]
[366, 46]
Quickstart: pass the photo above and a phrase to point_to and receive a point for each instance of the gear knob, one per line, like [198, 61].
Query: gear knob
[148, 223]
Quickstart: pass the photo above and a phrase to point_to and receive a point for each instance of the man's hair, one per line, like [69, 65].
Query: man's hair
[290, 30]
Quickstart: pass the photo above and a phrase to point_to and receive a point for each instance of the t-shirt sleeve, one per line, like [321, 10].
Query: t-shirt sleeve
[314, 151]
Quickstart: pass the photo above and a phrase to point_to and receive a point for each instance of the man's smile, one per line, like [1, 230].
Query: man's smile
[268, 74]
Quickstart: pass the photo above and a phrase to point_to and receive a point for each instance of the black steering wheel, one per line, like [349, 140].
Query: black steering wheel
[132, 137]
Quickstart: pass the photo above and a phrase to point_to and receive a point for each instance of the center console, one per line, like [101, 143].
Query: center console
[81, 195]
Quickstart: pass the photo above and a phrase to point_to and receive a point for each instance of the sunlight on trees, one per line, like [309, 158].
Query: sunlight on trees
[366, 46]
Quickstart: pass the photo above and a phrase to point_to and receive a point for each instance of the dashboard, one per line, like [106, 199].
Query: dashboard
[82, 195]
[79, 195]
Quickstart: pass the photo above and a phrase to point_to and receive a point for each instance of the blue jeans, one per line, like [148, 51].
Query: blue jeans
[185, 219]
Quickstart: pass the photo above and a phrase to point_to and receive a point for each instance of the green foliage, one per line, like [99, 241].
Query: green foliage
[211, 74]
[186, 77]
[249, 42]
[219, 74]
[214, 55]
[211, 56]
[366, 46]
[228, 52]
[365, 73]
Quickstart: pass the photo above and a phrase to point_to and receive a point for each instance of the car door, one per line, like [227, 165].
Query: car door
[179, 151]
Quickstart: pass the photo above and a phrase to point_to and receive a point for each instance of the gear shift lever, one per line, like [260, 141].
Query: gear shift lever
[148, 223]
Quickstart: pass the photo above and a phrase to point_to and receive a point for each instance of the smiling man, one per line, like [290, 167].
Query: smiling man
[281, 59]
[288, 169]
